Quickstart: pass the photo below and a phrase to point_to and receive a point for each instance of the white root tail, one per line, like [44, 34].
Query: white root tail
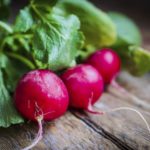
[131, 109]
[91, 110]
[135, 99]
[90, 107]
[38, 136]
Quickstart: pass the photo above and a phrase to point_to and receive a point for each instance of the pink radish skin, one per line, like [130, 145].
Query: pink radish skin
[84, 84]
[41, 92]
[41, 95]
[107, 62]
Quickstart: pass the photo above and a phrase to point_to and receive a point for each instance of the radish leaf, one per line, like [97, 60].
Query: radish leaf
[56, 42]
[8, 113]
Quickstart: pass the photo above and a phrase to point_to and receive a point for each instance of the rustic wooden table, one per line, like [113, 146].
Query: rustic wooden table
[83, 131]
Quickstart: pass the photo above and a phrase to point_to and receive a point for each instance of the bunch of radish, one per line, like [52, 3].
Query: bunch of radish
[43, 96]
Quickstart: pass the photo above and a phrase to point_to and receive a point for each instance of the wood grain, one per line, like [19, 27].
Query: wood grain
[67, 132]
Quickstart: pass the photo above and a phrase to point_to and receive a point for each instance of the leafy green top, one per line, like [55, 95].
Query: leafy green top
[8, 114]
[134, 58]
[39, 38]
[96, 25]
[127, 31]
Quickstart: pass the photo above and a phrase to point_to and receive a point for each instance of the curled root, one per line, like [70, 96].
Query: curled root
[38, 136]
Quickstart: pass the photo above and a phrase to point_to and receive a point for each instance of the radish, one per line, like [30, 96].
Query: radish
[84, 84]
[107, 62]
[41, 95]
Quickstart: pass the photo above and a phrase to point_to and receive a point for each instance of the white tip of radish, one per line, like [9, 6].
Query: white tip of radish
[118, 87]
[91, 110]
[94, 111]
[39, 135]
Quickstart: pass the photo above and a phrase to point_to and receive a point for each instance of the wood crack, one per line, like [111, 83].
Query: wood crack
[120, 144]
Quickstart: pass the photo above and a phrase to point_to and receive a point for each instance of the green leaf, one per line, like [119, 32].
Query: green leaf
[27, 16]
[13, 68]
[24, 20]
[3, 61]
[5, 27]
[135, 59]
[8, 113]
[17, 42]
[56, 42]
[98, 28]
[127, 31]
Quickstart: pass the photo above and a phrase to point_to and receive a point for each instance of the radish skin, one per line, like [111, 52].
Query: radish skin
[107, 62]
[84, 84]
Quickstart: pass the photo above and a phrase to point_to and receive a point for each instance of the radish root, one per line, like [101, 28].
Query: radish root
[90, 107]
[91, 110]
[39, 134]
[131, 109]
[117, 86]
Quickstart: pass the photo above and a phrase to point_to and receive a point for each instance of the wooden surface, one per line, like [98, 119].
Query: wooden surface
[83, 131]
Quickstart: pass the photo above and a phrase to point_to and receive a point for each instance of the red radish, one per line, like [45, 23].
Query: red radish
[41, 95]
[107, 62]
[84, 84]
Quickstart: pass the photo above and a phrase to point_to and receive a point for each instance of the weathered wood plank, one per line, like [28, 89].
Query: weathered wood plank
[138, 86]
[125, 125]
[65, 133]
[137, 90]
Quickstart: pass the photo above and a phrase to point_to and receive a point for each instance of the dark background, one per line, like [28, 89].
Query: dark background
[139, 10]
